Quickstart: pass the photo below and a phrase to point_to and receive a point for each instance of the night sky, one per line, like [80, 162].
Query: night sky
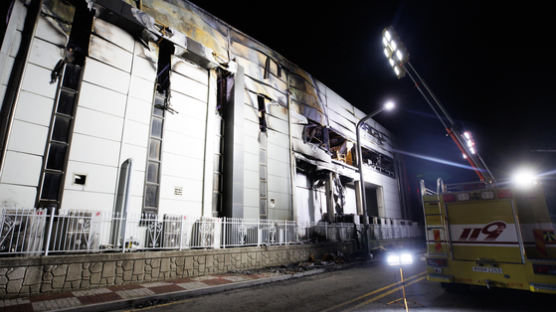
[492, 67]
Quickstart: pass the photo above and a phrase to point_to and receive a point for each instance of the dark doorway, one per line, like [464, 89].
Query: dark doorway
[372, 201]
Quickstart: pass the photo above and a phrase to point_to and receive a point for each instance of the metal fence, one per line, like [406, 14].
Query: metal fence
[43, 232]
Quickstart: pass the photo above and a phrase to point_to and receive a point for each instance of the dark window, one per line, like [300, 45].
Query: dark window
[156, 130]
[71, 76]
[154, 149]
[151, 195]
[61, 129]
[51, 187]
[56, 156]
[66, 102]
[152, 172]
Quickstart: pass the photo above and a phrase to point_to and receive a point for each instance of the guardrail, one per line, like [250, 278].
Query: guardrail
[43, 232]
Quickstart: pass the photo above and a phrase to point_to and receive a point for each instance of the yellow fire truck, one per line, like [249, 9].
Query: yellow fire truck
[482, 234]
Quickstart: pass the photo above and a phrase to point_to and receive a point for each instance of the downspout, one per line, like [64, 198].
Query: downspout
[293, 170]
[14, 84]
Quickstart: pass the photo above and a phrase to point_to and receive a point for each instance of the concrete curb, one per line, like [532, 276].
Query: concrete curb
[180, 295]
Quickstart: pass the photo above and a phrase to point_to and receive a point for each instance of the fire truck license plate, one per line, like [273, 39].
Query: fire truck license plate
[487, 269]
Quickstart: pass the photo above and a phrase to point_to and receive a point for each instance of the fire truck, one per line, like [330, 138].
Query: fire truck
[490, 235]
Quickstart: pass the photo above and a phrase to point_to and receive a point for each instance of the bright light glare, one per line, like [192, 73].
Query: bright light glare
[386, 52]
[472, 150]
[467, 135]
[384, 41]
[387, 35]
[524, 178]
[406, 258]
[391, 61]
[393, 45]
[399, 55]
[397, 70]
[397, 259]
[389, 105]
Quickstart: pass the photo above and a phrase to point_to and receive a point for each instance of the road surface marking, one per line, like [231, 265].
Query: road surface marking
[384, 294]
[372, 292]
[160, 305]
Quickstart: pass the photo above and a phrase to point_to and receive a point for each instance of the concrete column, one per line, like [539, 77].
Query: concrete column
[358, 199]
[330, 204]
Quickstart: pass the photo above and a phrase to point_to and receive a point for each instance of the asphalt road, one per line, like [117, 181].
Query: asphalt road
[361, 288]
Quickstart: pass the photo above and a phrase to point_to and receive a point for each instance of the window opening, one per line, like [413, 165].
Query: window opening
[70, 70]
[379, 162]
[263, 168]
[151, 196]
[341, 148]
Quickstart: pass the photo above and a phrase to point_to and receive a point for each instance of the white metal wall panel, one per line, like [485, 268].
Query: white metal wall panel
[37, 80]
[98, 124]
[193, 108]
[310, 203]
[94, 150]
[88, 201]
[190, 70]
[390, 192]
[182, 166]
[184, 138]
[278, 168]
[351, 204]
[189, 86]
[279, 153]
[100, 179]
[27, 138]
[17, 196]
[106, 76]
[21, 169]
[114, 34]
[136, 133]
[251, 177]
[109, 53]
[45, 54]
[191, 191]
[138, 110]
[137, 153]
[183, 145]
[34, 108]
[102, 99]
[46, 31]
[143, 68]
[141, 89]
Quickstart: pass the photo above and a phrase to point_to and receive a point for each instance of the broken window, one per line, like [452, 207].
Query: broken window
[316, 134]
[70, 73]
[341, 148]
[379, 162]
[262, 113]
[158, 112]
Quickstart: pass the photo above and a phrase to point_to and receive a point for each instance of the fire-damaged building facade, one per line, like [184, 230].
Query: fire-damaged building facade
[183, 113]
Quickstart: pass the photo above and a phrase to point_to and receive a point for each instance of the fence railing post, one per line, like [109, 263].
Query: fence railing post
[181, 232]
[225, 232]
[285, 232]
[259, 234]
[49, 231]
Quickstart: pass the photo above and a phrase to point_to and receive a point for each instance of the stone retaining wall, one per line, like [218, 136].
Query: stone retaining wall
[24, 276]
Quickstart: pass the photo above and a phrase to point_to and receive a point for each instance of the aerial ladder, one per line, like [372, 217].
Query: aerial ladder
[399, 60]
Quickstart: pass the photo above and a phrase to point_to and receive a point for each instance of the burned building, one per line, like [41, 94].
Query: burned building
[164, 105]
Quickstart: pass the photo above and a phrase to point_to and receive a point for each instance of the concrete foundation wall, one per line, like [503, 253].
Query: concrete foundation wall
[36, 275]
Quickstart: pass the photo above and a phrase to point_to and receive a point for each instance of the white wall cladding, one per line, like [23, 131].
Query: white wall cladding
[390, 191]
[29, 130]
[183, 147]
[311, 201]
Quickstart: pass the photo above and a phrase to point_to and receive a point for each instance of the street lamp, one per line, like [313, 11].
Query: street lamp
[388, 106]
[524, 178]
